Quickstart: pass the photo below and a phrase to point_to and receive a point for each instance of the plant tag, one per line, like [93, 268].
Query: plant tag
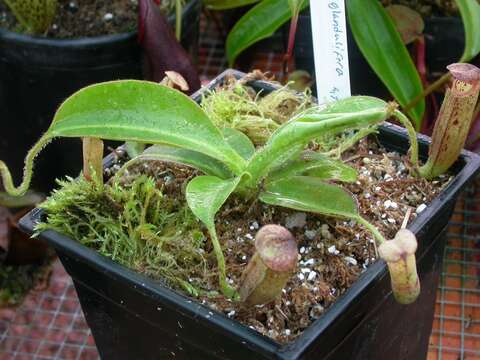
[329, 30]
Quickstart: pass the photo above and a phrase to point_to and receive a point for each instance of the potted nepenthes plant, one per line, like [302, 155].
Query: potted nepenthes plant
[50, 49]
[257, 224]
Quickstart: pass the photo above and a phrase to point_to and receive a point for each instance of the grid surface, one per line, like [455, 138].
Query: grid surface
[456, 330]
[50, 323]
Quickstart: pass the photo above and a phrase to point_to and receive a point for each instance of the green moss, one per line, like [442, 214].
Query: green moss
[133, 224]
[238, 106]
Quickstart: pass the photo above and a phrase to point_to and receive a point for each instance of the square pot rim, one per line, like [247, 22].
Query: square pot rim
[467, 167]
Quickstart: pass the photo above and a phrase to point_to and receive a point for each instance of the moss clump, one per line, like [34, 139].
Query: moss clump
[240, 107]
[133, 224]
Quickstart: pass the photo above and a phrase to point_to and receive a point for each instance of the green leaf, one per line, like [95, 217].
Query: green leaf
[31, 198]
[205, 196]
[347, 114]
[199, 161]
[382, 46]
[257, 24]
[142, 111]
[134, 149]
[310, 194]
[470, 12]
[227, 4]
[239, 142]
[315, 165]
[296, 6]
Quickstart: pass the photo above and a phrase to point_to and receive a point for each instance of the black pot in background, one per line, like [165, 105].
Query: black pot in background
[37, 74]
[444, 45]
[134, 317]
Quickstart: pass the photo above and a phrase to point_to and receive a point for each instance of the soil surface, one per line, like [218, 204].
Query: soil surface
[84, 18]
[333, 253]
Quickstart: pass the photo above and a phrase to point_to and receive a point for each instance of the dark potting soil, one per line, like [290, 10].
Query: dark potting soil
[84, 18]
[333, 253]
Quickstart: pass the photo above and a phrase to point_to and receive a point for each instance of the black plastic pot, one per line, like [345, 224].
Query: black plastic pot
[444, 38]
[133, 317]
[37, 74]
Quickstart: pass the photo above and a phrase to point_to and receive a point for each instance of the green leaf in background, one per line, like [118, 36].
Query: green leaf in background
[382, 46]
[239, 142]
[199, 161]
[470, 12]
[31, 198]
[310, 194]
[205, 196]
[257, 24]
[142, 111]
[316, 165]
[227, 4]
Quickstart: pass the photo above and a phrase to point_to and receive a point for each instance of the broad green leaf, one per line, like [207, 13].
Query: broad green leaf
[352, 104]
[204, 163]
[205, 196]
[257, 24]
[310, 194]
[470, 12]
[142, 111]
[239, 142]
[315, 165]
[227, 4]
[382, 46]
[132, 110]
[347, 114]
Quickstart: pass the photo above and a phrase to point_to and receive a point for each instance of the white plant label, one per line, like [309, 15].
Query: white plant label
[329, 31]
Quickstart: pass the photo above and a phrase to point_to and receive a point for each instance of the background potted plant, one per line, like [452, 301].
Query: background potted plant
[114, 298]
[49, 53]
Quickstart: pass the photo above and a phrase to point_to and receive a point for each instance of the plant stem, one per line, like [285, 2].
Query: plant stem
[351, 141]
[411, 134]
[291, 43]
[378, 236]
[178, 19]
[430, 89]
[227, 290]
[92, 158]
[27, 172]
